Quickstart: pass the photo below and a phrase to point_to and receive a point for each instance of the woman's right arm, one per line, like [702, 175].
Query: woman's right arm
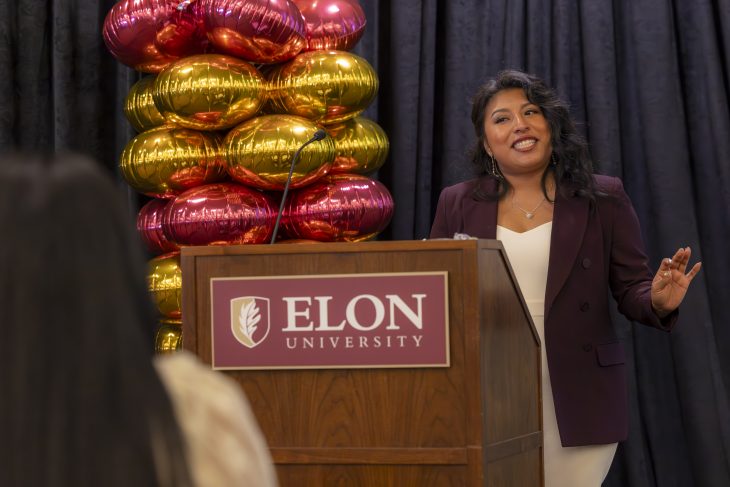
[440, 227]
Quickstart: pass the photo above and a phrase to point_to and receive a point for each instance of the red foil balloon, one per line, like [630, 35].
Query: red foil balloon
[149, 34]
[149, 226]
[341, 207]
[260, 31]
[297, 241]
[224, 213]
[332, 24]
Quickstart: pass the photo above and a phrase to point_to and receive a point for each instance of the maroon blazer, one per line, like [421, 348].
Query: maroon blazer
[593, 248]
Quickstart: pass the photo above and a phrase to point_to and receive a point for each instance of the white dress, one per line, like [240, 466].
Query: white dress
[578, 466]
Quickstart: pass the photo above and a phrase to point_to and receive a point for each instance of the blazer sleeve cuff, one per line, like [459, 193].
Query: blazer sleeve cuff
[667, 323]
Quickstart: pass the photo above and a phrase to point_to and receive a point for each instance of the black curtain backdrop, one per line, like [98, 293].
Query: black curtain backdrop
[648, 81]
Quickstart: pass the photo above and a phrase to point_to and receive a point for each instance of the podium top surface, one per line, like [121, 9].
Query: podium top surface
[345, 247]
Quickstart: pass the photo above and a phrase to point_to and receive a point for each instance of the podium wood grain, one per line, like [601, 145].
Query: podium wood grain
[475, 423]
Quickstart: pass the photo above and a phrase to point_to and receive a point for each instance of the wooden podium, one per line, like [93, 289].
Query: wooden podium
[474, 423]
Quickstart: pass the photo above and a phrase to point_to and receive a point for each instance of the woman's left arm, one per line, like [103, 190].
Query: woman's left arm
[642, 296]
[671, 281]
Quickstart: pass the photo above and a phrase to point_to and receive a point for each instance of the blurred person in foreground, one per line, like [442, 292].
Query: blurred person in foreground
[84, 402]
[571, 236]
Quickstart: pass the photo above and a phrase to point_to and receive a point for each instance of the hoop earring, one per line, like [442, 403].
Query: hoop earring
[492, 169]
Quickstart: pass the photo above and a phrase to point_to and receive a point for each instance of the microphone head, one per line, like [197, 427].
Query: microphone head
[319, 135]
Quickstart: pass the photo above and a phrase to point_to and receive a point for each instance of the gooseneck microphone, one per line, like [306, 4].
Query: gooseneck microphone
[318, 135]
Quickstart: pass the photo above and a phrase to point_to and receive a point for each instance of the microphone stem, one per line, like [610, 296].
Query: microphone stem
[286, 189]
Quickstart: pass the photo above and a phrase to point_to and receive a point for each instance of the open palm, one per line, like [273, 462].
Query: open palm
[670, 282]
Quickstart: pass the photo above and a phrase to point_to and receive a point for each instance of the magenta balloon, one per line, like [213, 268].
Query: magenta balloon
[149, 34]
[341, 207]
[332, 24]
[149, 226]
[224, 213]
[260, 31]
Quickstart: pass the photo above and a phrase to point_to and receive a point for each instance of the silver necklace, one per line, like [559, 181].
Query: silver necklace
[528, 214]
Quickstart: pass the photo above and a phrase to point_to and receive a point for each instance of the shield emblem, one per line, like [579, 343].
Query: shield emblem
[250, 320]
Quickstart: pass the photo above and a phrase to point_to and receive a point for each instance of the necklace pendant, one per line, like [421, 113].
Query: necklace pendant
[529, 215]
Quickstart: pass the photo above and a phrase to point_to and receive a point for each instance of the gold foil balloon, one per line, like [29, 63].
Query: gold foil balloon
[139, 107]
[341, 207]
[260, 152]
[169, 337]
[324, 86]
[219, 214]
[260, 31]
[164, 279]
[361, 146]
[165, 161]
[209, 92]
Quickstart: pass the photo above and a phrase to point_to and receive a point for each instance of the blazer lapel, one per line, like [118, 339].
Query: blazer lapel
[480, 217]
[570, 219]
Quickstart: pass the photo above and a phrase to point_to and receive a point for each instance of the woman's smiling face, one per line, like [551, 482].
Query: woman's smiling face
[516, 133]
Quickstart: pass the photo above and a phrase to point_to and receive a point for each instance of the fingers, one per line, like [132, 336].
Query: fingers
[693, 272]
[679, 262]
[684, 260]
[665, 269]
[680, 259]
[678, 255]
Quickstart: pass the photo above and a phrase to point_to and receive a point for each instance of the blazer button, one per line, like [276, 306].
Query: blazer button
[587, 347]
[586, 263]
[585, 307]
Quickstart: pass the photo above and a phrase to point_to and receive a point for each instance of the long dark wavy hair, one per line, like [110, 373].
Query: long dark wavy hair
[571, 162]
[81, 401]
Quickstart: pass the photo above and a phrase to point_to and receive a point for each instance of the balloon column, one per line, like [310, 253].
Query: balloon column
[235, 87]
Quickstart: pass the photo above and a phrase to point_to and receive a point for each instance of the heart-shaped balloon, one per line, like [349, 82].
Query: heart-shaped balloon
[164, 279]
[326, 87]
[340, 207]
[260, 152]
[260, 31]
[166, 161]
[147, 35]
[209, 92]
[216, 214]
[149, 226]
[361, 146]
[139, 106]
[332, 24]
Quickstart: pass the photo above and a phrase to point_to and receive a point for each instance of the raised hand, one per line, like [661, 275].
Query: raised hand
[670, 282]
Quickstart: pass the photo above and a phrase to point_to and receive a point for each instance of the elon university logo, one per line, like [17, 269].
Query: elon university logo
[250, 320]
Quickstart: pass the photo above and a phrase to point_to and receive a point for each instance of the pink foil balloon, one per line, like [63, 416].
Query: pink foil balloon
[260, 31]
[149, 226]
[332, 24]
[149, 34]
[341, 207]
[224, 213]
